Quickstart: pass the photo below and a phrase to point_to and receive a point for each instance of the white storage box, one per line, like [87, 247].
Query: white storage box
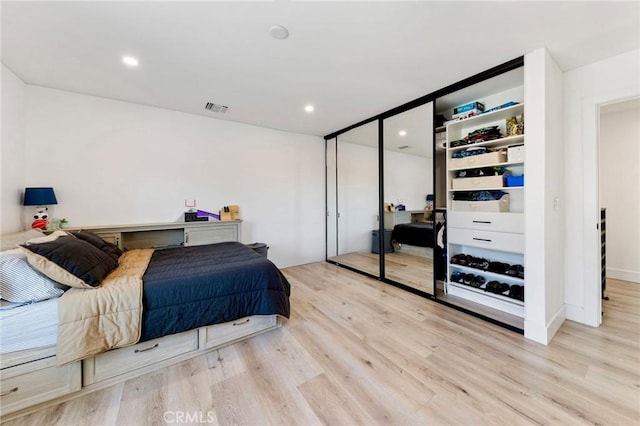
[478, 182]
[515, 154]
[487, 159]
[501, 205]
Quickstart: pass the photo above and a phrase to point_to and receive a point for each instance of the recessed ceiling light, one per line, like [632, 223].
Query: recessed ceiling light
[309, 108]
[130, 60]
[402, 133]
[279, 32]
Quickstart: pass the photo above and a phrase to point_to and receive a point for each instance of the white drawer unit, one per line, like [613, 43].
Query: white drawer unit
[392, 219]
[216, 335]
[119, 361]
[501, 241]
[485, 221]
[171, 234]
[196, 236]
[37, 381]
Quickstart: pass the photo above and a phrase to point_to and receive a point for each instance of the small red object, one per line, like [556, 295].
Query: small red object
[40, 224]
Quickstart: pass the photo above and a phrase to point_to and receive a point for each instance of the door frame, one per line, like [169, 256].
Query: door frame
[591, 265]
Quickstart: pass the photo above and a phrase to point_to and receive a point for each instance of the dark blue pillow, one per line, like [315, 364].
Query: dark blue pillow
[70, 261]
[111, 249]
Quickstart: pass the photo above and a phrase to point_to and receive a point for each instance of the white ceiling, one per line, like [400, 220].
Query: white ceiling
[352, 60]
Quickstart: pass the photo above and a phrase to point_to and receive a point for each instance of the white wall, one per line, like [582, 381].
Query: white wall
[12, 153]
[408, 178]
[114, 162]
[585, 89]
[620, 189]
[544, 311]
[357, 196]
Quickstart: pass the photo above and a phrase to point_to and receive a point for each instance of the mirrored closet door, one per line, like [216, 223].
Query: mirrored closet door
[355, 209]
[408, 197]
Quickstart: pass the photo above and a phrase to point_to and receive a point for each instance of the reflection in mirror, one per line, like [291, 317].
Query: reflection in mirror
[408, 197]
[357, 197]
[332, 200]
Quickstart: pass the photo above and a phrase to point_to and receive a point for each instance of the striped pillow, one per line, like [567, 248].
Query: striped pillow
[20, 283]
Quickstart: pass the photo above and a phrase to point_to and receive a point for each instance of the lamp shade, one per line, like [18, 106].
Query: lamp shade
[39, 197]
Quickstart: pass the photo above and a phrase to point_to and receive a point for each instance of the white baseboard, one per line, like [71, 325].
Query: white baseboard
[623, 274]
[543, 333]
[574, 313]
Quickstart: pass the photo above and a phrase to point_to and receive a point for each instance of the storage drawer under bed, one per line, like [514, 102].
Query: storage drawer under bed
[124, 360]
[37, 381]
[219, 334]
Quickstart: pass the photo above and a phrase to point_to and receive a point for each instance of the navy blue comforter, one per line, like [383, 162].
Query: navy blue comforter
[415, 234]
[191, 287]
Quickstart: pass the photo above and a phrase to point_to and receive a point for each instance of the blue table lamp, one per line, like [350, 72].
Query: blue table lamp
[429, 198]
[41, 197]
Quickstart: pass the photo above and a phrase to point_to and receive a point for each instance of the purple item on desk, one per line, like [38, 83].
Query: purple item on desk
[202, 213]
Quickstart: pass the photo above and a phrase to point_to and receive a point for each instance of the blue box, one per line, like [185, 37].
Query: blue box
[468, 107]
[515, 180]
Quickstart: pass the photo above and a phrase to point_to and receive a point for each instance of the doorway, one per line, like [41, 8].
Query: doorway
[619, 193]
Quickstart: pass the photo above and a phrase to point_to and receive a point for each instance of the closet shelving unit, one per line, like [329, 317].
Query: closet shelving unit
[497, 236]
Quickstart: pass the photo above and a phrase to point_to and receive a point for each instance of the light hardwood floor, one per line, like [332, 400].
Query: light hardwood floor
[357, 351]
[409, 269]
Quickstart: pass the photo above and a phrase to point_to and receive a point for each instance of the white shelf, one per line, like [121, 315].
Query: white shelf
[493, 300]
[493, 188]
[509, 140]
[492, 275]
[505, 164]
[489, 117]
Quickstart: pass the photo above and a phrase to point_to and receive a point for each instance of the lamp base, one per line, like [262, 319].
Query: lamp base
[41, 218]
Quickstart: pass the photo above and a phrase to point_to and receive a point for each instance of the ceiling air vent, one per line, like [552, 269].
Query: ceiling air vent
[210, 106]
[403, 147]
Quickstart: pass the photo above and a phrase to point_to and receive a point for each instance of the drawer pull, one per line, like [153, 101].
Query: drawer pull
[488, 222]
[10, 391]
[242, 322]
[146, 349]
[482, 239]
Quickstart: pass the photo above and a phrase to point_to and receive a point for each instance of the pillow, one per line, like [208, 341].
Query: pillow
[20, 283]
[51, 237]
[70, 261]
[12, 241]
[110, 249]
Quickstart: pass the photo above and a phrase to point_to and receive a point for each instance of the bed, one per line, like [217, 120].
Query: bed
[193, 299]
[418, 234]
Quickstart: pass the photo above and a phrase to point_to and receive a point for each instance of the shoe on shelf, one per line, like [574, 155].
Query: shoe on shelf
[457, 276]
[498, 267]
[477, 281]
[460, 259]
[468, 278]
[516, 291]
[478, 263]
[496, 287]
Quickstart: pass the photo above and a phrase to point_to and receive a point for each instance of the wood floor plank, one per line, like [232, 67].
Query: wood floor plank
[357, 351]
[332, 405]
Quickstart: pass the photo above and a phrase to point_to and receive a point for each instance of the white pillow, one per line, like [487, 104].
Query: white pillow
[20, 283]
[51, 237]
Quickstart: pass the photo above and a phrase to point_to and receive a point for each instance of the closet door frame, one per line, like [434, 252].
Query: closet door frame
[431, 97]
